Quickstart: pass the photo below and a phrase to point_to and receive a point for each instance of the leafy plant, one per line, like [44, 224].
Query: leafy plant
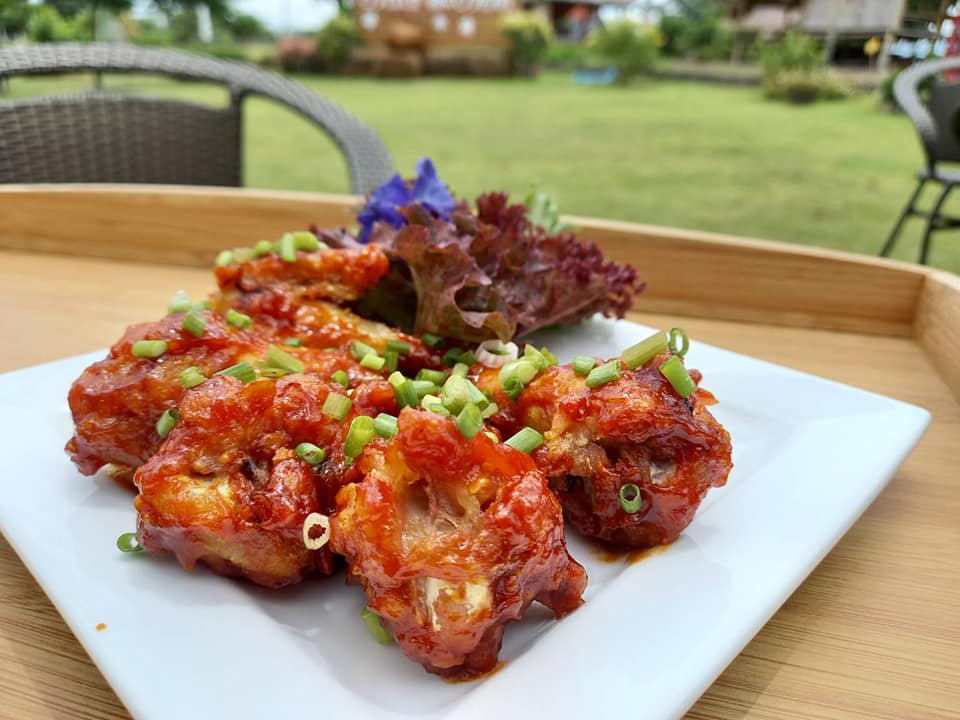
[794, 51]
[529, 34]
[336, 39]
[801, 87]
[47, 26]
[632, 48]
[14, 17]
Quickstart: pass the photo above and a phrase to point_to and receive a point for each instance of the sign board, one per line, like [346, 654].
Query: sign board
[443, 23]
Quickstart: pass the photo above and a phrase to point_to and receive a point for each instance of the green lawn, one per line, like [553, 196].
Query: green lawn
[671, 153]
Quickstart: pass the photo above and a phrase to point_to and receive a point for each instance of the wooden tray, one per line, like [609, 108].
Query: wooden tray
[874, 631]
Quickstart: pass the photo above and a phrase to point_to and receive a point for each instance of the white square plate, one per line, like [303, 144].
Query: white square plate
[810, 456]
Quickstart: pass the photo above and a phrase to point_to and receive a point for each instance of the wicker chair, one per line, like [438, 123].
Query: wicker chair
[935, 119]
[110, 137]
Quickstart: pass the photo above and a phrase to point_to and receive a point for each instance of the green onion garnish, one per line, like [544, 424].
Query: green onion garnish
[431, 341]
[434, 404]
[582, 365]
[372, 361]
[242, 254]
[128, 543]
[526, 441]
[202, 305]
[467, 358]
[678, 335]
[288, 248]
[396, 378]
[337, 406]
[191, 377]
[194, 323]
[379, 633]
[285, 361]
[293, 342]
[341, 377]
[262, 247]
[180, 302]
[270, 372]
[476, 396]
[360, 350]
[385, 425]
[242, 371]
[406, 394]
[225, 257]
[492, 435]
[673, 370]
[551, 358]
[645, 350]
[517, 372]
[399, 346]
[489, 411]
[602, 374]
[238, 319]
[452, 356]
[360, 433]
[461, 369]
[148, 348]
[536, 357]
[390, 360]
[166, 422]
[435, 376]
[630, 499]
[512, 388]
[455, 393]
[424, 387]
[305, 240]
[310, 453]
[469, 421]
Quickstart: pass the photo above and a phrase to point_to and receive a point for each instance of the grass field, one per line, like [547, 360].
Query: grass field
[671, 153]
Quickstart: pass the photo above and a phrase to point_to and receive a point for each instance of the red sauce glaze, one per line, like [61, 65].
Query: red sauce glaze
[451, 539]
[227, 489]
[637, 430]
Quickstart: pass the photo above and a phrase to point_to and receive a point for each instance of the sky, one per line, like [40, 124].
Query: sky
[279, 15]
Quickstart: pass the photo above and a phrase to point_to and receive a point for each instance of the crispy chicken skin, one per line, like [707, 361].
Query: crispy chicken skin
[451, 539]
[636, 429]
[227, 489]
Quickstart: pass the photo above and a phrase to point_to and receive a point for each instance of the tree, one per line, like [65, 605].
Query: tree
[247, 27]
[14, 16]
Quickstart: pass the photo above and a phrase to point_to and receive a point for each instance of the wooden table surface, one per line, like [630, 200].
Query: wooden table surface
[874, 632]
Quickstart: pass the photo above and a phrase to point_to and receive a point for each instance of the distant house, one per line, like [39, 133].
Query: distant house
[844, 24]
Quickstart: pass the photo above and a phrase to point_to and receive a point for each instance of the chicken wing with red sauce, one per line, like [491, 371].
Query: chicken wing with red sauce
[227, 488]
[451, 539]
[637, 430]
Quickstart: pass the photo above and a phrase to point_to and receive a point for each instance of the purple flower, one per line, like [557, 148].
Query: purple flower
[385, 202]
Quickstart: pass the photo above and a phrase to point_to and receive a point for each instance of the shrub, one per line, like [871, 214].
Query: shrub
[802, 86]
[335, 41]
[566, 56]
[696, 30]
[794, 51]
[529, 34]
[628, 46]
[46, 26]
[296, 53]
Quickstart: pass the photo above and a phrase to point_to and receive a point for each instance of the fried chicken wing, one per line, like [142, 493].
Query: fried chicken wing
[451, 539]
[637, 430]
[227, 488]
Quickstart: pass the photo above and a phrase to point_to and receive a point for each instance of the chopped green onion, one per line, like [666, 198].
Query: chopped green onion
[492, 435]
[194, 323]
[270, 372]
[406, 394]
[536, 357]
[191, 377]
[385, 425]
[148, 348]
[431, 341]
[582, 364]
[225, 257]
[517, 371]
[461, 369]
[452, 356]
[238, 319]
[469, 421]
[551, 358]
[396, 378]
[437, 407]
[435, 376]
[288, 248]
[372, 361]
[673, 370]
[310, 453]
[645, 350]
[455, 393]
[262, 247]
[180, 302]
[201, 305]
[424, 387]
[526, 441]
[305, 240]
[293, 342]
[489, 411]
[242, 371]
[430, 400]
[380, 633]
[467, 358]
[678, 334]
[630, 499]
[360, 433]
[399, 346]
[512, 388]
[390, 360]
[602, 374]
[476, 396]
[341, 377]
[285, 361]
[128, 543]
[166, 422]
[337, 406]
[360, 350]
[242, 254]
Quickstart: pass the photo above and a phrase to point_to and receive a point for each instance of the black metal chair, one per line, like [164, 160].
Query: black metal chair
[935, 114]
[100, 136]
